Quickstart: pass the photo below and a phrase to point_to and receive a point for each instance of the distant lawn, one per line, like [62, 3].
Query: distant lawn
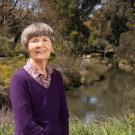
[111, 126]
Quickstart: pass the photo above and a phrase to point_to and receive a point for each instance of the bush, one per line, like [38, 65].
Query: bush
[5, 47]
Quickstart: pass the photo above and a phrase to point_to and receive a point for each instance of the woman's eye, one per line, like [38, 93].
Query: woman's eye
[38, 40]
[44, 40]
[34, 41]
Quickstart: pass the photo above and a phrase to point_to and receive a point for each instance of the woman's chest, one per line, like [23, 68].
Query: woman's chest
[44, 98]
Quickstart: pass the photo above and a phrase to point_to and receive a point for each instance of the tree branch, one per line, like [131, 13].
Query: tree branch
[13, 6]
[2, 4]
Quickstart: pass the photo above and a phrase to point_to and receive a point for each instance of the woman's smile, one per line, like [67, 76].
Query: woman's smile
[41, 51]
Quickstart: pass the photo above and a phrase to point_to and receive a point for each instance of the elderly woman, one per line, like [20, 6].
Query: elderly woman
[36, 90]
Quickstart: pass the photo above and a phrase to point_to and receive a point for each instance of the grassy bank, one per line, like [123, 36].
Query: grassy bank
[112, 126]
[6, 123]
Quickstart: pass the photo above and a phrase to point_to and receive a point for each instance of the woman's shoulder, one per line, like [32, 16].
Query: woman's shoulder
[19, 73]
[57, 71]
[58, 74]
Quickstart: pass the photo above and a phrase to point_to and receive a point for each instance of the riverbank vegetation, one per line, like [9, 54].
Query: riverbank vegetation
[124, 125]
[111, 126]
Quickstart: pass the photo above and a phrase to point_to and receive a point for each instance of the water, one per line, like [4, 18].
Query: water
[112, 96]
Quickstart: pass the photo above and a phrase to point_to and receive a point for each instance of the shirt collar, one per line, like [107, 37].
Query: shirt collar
[33, 70]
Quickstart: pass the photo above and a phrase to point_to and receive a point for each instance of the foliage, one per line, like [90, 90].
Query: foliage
[78, 24]
[110, 21]
[6, 122]
[5, 46]
[72, 13]
[73, 77]
[9, 66]
[126, 48]
[16, 15]
[86, 7]
[118, 25]
[91, 39]
[112, 126]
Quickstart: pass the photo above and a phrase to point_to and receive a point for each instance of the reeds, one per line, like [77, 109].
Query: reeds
[6, 122]
[110, 126]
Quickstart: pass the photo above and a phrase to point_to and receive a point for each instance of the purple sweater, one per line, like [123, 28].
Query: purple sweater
[38, 110]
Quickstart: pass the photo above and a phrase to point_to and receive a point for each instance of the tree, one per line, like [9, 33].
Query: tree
[126, 49]
[110, 21]
[15, 15]
[69, 21]
[86, 7]
[67, 17]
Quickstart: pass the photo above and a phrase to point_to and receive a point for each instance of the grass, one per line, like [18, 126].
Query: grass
[6, 122]
[111, 126]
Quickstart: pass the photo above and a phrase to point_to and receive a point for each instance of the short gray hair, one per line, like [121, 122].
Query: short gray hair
[36, 29]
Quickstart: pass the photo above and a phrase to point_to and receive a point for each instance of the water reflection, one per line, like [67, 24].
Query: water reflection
[114, 95]
[90, 117]
[92, 100]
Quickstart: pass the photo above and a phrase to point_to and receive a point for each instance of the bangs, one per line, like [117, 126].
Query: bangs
[36, 29]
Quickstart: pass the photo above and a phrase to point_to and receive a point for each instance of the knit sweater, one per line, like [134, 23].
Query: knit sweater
[38, 110]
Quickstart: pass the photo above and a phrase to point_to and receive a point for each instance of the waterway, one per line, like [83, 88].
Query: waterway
[113, 96]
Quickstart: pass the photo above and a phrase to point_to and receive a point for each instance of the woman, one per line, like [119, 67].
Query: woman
[36, 90]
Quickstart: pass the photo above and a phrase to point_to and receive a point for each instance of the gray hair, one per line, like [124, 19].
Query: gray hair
[36, 29]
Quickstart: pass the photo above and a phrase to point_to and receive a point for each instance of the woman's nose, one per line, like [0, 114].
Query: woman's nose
[40, 44]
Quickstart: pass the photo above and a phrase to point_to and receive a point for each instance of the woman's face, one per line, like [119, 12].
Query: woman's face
[39, 47]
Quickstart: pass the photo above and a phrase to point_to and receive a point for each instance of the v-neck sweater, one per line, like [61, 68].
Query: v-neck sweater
[38, 110]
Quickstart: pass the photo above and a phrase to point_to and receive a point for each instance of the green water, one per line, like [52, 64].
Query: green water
[113, 96]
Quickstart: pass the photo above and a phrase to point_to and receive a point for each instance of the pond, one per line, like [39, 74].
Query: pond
[113, 96]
